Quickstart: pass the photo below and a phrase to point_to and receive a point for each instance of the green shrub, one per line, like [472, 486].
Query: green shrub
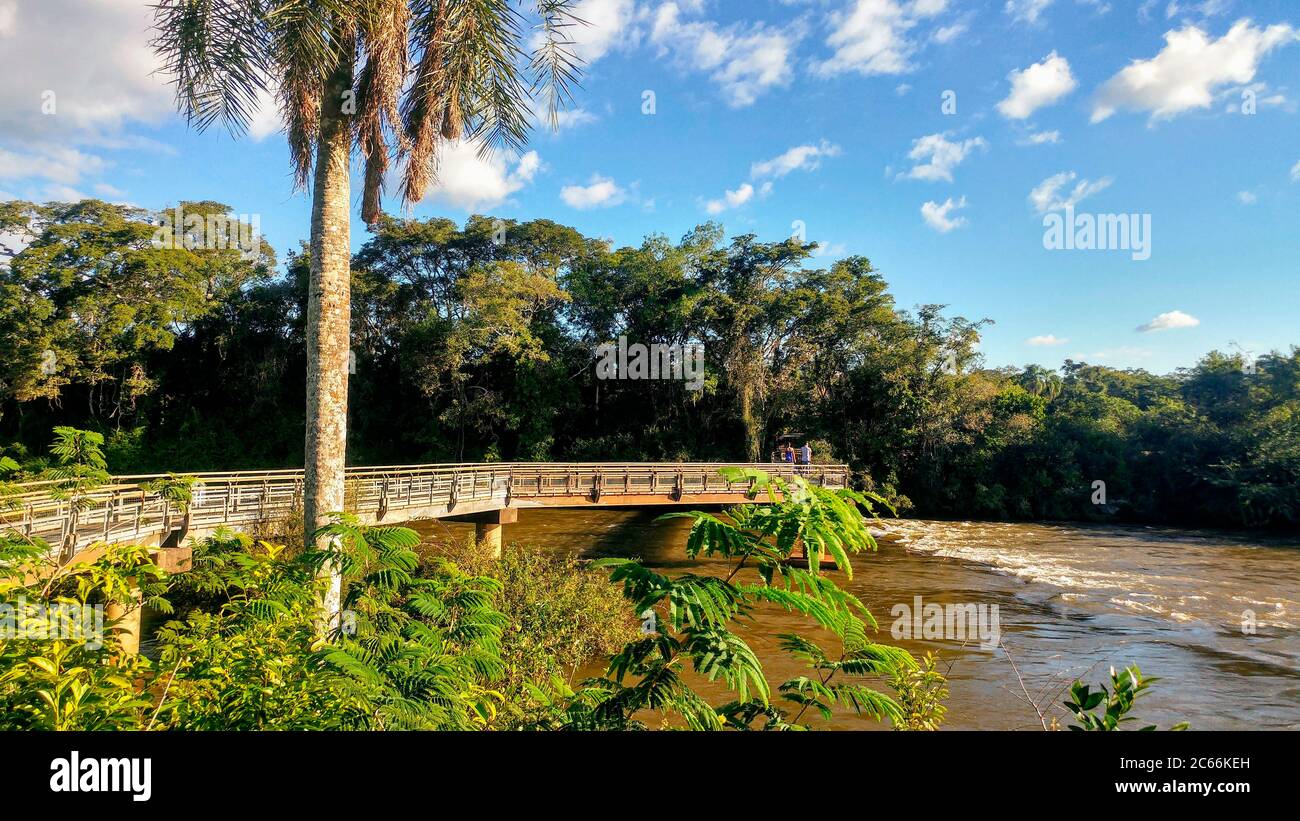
[561, 616]
[1126, 686]
[77, 679]
[920, 692]
[411, 651]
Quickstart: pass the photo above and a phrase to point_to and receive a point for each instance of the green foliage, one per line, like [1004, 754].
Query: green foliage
[418, 651]
[90, 299]
[561, 616]
[10, 470]
[58, 671]
[921, 692]
[690, 624]
[79, 467]
[62, 686]
[178, 491]
[1118, 701]
[243, 655]
[475, 341]
[414, 651]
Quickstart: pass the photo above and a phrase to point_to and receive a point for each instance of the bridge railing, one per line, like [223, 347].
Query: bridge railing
[123, 510]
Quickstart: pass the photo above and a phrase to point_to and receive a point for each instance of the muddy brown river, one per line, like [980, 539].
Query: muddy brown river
[1214, 614]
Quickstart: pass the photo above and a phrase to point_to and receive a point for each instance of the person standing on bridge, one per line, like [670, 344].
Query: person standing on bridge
[805, 454]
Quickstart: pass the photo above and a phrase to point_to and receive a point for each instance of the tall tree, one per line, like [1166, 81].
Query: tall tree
[92, 293]
[388, 77]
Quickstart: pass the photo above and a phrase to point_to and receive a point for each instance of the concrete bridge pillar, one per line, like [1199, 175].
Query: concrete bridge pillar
[127, 618]
[489, 527]
[128, 615]
[488, 537]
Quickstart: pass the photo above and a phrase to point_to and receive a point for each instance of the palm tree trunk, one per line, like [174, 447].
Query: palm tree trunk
[328, 324]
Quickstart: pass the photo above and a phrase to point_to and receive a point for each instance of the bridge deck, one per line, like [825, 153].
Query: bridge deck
[123, 511]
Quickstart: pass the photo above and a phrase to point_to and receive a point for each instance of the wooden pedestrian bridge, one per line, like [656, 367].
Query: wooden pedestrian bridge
[488, 494]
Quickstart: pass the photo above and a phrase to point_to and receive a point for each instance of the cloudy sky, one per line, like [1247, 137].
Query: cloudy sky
[933, 136]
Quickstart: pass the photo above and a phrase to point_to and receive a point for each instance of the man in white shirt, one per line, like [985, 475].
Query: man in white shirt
[805, 454]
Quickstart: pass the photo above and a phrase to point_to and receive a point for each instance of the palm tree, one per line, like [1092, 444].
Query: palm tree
[392, 78]
[1041, 382]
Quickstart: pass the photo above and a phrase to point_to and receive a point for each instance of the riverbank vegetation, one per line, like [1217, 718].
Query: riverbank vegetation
[478, 342]
[423, 643]
[447, 638]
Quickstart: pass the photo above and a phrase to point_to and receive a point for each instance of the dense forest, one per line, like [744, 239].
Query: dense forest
[479, 342]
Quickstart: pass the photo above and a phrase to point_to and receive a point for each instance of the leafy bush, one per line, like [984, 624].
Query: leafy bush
[921, 692]
[412, 651]
[77, 678]
[242, 657]
[1118, 701]
[560, 616]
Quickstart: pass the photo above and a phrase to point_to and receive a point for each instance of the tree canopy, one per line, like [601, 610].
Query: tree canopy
[478, 342]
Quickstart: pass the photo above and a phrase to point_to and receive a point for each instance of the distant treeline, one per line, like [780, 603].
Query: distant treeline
[480, 343]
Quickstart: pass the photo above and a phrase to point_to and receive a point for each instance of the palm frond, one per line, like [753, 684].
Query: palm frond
[554, 67]
[384, 31]
[216, 53]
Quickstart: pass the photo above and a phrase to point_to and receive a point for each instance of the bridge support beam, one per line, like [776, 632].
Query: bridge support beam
[129, 615]
[489, 527]
[127, 618]
[488, 537]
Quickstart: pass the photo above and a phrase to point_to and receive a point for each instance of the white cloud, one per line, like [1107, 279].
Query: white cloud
[936, 215]
[565, 118]
[572, 118]
[1027, 10]
[1206, 8]
[946, 34]
[1101, 6]
[1247, 198]
[1188, 71]
[1295, 172]
[1265, 97]
[1047, 195]
[744, 62]
[62, 193]
[95, 58]
[603, 192]
[1046, 340]
[941, 156]
[58, 164]
[873, 36]
[472, 182]
[731, 199]
[610, 24]
[800, 158]
[1041, 84]
[830, 250]
[1169, 320]
[805, 157]
[76, 74]
[8, 14]
[928, 8]
[266, 117]
[1042, 138]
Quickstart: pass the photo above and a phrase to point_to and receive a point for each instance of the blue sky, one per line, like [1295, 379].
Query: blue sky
[932, 136]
